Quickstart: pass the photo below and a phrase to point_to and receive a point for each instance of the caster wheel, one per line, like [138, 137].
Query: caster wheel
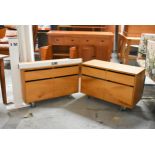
[88, 97]
[123, 109]
[33, 105]
[70, 96]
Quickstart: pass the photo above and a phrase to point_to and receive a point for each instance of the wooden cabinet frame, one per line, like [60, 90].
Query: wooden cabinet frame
[89, 45]
[49, 82]
[115, 83]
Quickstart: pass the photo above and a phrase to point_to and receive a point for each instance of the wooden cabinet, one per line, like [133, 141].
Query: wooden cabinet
[107, 28]
[89, 45]
[115, 83]
[49, 82]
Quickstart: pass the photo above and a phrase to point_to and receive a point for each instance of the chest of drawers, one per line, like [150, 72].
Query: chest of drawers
[89, 45]
[49, 82]
[115, 83]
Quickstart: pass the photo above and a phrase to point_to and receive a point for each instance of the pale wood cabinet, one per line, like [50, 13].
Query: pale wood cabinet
[49, 82]
[116, 83]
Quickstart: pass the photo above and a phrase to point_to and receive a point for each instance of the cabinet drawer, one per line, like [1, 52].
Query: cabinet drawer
[94, 72]
[101, 41]
[57, 40]
[108, 91]
[93, 41]
[119, 94]
[93, 87]
[120, 78]
[37, 74]
[38, 90]
[57, 72]
[65, 85]
[71, 40]
[64, 40]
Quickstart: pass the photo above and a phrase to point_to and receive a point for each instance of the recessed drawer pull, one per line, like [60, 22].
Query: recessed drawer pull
[102, 41]
[87, 40]
[72, 40]
[57, 39]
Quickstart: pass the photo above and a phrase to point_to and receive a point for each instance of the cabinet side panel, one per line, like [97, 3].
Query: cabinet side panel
[139, 86]
[23, 84]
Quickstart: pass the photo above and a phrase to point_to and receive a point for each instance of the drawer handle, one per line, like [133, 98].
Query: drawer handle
[72, 40]
[87, 40]
[102, 41]
[57, 39]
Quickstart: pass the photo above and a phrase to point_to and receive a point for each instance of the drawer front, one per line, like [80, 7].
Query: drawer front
[65, 85]
[102, 41]
[57, 40]
[64, 40]
[121, 78]
[57, 72]
[38, 90]
[108, 91]
[93, 87]
[71, 40]
[94, 72]
[93, 41]
[37, 74]
[119, 94]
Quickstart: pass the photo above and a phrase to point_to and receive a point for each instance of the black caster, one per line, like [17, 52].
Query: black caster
[32, 105]
[123, 108]
[89, 97]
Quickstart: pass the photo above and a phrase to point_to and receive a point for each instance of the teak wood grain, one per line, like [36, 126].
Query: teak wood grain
[116, 83]
[45, 83]
[120, 68]
[94, 72]
[65, 85]
[39, 90]
[108, 91]
[120, 78]
[49, 73]
[89, 44]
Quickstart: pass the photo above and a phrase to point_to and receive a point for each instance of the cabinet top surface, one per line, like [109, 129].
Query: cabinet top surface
[78, 33]
[114, 67]
[50, 63]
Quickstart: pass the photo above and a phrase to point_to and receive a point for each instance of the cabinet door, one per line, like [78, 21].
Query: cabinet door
[87, 52]
[103, 53]
[38, 90]
[65, 85]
